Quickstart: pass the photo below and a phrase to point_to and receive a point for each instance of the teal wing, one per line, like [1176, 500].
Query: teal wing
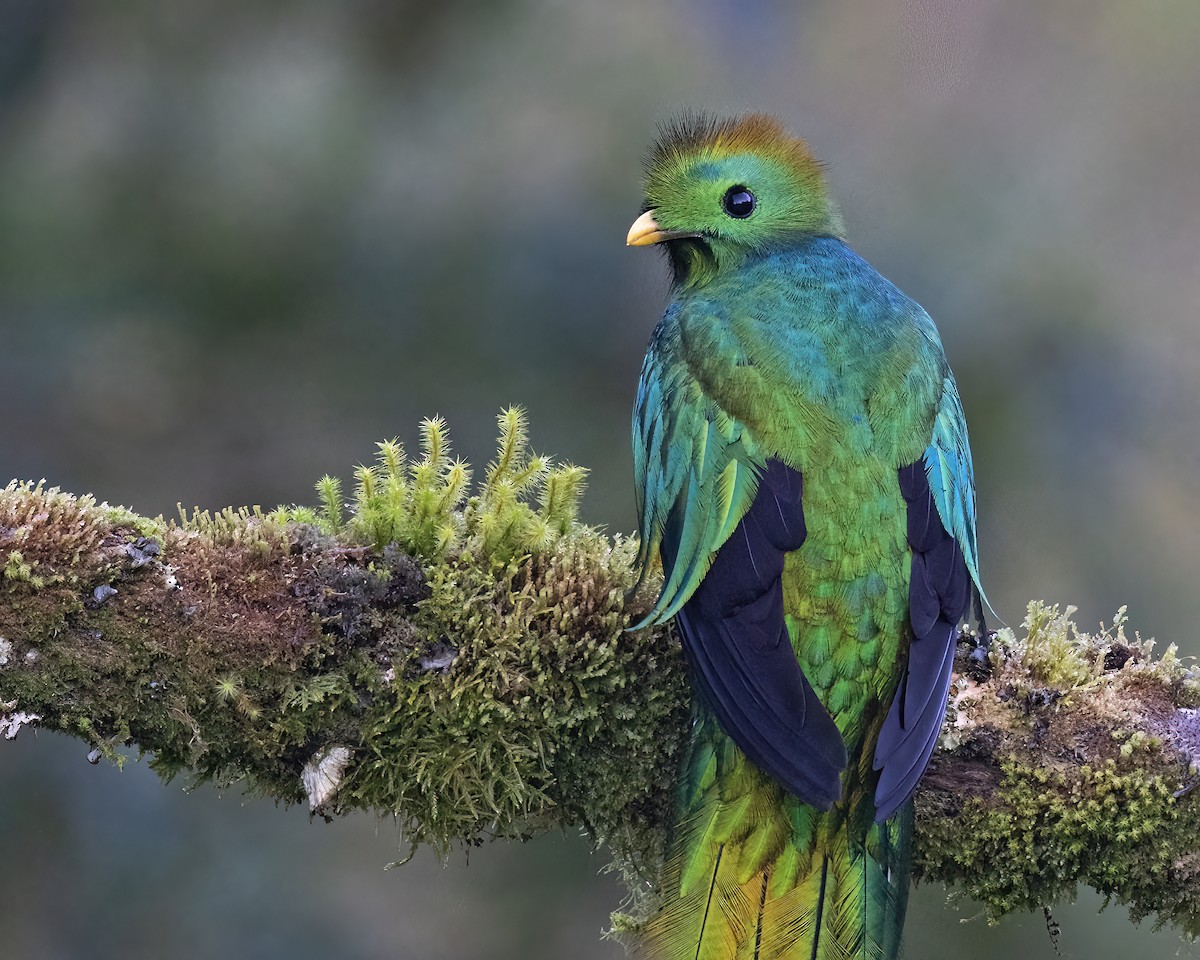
[952, 476]
[696, 470]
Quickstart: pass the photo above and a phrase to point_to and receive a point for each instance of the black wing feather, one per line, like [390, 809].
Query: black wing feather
[939, 593]
[924, 605]
[737, 644]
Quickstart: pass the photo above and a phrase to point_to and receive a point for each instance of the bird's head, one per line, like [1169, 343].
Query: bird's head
[720, 191]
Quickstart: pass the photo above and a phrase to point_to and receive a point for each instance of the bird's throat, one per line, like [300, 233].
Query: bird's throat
[693, 261]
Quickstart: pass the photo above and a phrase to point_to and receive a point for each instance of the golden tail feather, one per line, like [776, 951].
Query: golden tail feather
[753, 874]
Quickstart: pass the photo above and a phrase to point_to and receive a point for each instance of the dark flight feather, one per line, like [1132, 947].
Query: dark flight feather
[737, 645]
[939, 593]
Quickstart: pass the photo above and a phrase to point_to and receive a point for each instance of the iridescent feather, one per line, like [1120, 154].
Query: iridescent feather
[803, 474]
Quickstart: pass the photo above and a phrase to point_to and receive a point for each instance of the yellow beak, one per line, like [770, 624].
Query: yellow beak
[645, 230]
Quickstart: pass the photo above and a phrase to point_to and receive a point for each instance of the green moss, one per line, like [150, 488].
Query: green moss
[1026, 820]
[524, 505]
[1044, 832]
[54, 538]
[510, 695]
[1054, 652]
[250, 527]
[17, 570]
[1056, 658]
[150, 528]
[528, 705]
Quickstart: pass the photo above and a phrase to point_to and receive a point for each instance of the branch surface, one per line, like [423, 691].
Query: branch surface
[474, 695]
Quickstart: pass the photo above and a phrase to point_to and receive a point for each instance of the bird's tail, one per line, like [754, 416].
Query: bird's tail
[753, 874]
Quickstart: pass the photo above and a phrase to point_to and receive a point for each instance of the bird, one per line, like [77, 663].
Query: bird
[804, 479]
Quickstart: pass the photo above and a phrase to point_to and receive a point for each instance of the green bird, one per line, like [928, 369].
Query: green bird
[803, 474]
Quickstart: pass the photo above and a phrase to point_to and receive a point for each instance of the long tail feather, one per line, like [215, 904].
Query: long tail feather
[753, 874]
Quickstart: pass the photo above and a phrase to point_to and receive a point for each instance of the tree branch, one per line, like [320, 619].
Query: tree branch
[474, 694]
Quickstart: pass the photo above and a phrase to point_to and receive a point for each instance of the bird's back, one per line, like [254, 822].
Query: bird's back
[836, 376]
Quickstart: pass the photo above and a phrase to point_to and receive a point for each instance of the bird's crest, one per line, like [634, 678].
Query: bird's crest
[696, 136]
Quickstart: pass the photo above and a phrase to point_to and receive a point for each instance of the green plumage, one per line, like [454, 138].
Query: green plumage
[781, 352]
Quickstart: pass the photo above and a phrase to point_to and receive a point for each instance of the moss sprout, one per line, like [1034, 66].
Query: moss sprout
[423, 506]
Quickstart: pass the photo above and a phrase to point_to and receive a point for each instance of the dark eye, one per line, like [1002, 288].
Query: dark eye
[738, 202]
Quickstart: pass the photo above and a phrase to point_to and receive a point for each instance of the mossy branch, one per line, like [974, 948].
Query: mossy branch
[461, 663]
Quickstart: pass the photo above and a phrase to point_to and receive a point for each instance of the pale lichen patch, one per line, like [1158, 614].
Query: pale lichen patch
[322, 776]
[11, 723]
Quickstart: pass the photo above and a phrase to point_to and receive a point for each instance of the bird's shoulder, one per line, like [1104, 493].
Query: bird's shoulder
[819, 284]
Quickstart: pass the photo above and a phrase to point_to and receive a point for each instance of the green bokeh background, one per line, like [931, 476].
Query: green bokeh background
[239, 243]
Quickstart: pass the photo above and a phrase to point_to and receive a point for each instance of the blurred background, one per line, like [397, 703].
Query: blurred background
[239, 243]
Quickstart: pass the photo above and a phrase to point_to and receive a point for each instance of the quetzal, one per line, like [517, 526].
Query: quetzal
[803, 473]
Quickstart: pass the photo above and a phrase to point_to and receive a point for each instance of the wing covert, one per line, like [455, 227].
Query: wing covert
[696, 470]
[951, 476]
